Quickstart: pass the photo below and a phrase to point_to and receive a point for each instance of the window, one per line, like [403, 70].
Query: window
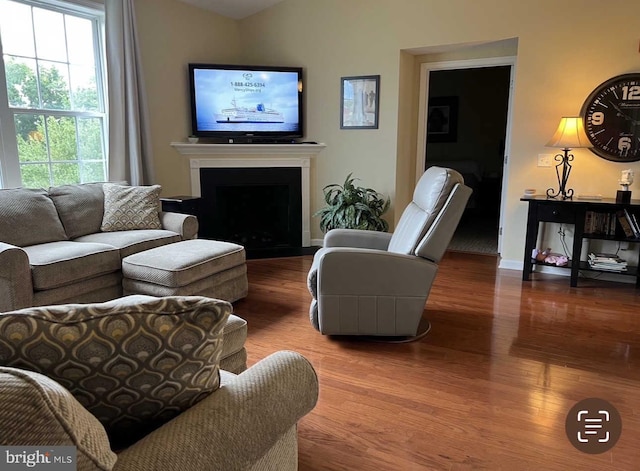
[52, 102]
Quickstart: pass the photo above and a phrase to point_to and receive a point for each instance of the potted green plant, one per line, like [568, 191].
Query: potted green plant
[352, 207]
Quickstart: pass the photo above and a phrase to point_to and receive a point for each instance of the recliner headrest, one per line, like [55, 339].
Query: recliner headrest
[434, 187]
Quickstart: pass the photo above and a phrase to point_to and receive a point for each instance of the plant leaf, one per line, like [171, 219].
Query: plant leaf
[353, 207]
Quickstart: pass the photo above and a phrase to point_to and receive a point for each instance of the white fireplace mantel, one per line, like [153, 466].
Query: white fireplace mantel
[255, 156]
[247, 149]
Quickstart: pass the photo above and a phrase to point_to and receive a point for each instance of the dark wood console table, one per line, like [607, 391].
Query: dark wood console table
[182, 204]
[577, 212]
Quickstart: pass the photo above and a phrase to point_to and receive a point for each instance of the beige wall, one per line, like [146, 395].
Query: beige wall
[409, 99]
[564, 50]
[172, 34]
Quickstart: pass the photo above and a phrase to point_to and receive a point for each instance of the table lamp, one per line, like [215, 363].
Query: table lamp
[569, 135]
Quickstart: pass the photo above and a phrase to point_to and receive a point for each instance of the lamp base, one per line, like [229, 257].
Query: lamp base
[623, 196]
[563, 160]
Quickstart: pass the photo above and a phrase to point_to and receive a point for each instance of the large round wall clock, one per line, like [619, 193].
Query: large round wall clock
[611, 115]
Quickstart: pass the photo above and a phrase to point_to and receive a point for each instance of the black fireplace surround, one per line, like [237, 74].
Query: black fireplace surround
[259, 208]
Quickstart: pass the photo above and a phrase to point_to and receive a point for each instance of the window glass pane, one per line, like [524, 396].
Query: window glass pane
[65, 174]
[61, 132]
[54, 86]
[50, 38]
[22, 84]
[16, 28]
[83, 88]
[52, 67]
[79, 40]
[35, 175]
[92, 172]
[31, 137]
[90, 139]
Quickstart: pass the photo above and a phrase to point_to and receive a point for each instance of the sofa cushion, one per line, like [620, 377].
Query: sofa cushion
[37, 411]
[134, 362]
[28, 217]
[235, 335]
[61, 263]
[80, 207]
[130, 207]
[92, 290]
[130, 242]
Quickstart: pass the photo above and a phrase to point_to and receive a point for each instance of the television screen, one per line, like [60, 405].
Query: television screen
[229, 100]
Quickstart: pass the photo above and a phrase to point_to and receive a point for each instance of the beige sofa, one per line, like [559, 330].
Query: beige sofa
[52, 249]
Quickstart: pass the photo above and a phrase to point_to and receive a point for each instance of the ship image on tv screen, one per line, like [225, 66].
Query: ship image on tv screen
[234, 100]
[259, 114]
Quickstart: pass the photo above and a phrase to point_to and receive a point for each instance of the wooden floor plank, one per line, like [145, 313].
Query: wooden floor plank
[488, 388]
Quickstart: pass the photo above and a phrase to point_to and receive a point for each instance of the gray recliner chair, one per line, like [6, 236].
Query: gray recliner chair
[377, 283]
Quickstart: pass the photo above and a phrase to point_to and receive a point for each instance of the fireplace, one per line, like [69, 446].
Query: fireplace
[259, 208]
[257, 156]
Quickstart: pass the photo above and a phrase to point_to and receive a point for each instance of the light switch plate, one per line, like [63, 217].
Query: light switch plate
[544, 160]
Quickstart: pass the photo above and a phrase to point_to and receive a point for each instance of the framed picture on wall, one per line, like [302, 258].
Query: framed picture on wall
[442, 119]
[359, 100]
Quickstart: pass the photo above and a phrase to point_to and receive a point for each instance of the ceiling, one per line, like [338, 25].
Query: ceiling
[236, 9]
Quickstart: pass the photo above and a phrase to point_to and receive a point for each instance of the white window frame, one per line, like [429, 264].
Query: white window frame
[10, 175]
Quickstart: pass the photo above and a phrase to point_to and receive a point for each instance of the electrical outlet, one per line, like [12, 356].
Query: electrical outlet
[544, 160]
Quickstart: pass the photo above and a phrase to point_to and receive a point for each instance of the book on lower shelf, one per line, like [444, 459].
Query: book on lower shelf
[604, 257]
[607, 262]
[608, 267]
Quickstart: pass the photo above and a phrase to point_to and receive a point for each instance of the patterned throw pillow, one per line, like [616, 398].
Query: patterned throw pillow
[134, 362]
[129, 208]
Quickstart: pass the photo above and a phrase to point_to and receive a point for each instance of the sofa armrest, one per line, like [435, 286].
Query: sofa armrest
[235, 426]
[16, 288]
[357, 238]
[184, 224]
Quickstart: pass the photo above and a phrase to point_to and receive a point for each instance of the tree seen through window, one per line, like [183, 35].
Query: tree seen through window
[53, 94]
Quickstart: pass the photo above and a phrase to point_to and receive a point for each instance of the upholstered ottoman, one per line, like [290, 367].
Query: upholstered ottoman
[197, 267]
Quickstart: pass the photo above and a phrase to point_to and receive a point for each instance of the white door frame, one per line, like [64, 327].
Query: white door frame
[421, 151]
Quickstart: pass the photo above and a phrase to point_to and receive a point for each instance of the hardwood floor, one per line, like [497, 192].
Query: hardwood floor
[488, 388]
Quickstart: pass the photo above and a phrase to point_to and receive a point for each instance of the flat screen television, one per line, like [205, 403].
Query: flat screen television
[230, 101]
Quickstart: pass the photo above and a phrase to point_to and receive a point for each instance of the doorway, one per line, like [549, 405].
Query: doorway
[466, 127]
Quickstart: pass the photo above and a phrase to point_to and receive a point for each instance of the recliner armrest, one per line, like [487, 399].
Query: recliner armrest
[357, 238]
[184, 224]
[16, 287]
[233, 427]
[361, 272]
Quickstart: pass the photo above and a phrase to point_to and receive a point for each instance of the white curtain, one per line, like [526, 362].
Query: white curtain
[130, 153]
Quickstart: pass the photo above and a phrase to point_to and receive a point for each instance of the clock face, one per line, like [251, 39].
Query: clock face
[611, 117]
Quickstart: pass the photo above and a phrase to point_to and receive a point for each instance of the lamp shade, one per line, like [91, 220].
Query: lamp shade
[570, 134]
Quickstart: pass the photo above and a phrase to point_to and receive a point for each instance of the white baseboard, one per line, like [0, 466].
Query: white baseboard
[511, 264]
[519, 265]
[317, 242]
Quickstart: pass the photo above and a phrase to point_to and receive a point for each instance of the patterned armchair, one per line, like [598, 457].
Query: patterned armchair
[135, 384]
